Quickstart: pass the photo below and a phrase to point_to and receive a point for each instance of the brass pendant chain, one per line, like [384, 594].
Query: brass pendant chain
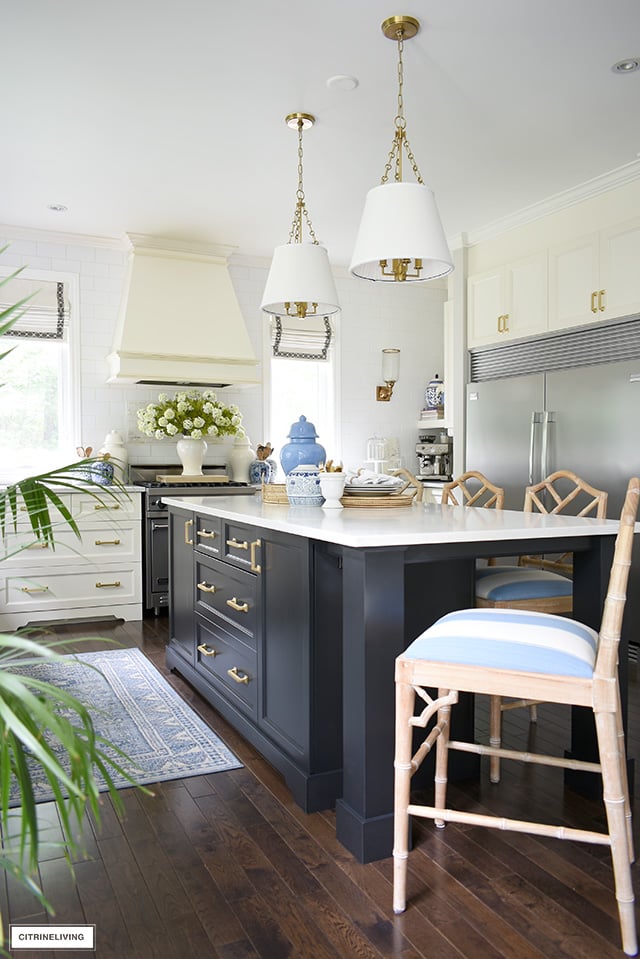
[400, 138]
[295, 234]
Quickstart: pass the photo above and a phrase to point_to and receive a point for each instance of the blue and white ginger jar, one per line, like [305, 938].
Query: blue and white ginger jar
[303, 447]
[303, 486]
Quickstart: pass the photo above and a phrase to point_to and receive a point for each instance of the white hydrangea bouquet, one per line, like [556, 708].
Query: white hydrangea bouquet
[194, 413]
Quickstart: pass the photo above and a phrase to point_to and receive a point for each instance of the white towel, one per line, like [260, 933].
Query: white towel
[363, 477]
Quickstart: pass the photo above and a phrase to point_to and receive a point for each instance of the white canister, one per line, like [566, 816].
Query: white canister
[240, 458]
[118, 454]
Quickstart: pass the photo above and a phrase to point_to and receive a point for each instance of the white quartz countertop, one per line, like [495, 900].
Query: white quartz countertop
[418, 524]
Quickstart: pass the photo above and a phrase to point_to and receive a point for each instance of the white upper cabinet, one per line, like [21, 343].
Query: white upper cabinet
[595, 277]
[508, 302]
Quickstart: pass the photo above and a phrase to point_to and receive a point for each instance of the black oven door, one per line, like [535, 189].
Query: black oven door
[157, 563]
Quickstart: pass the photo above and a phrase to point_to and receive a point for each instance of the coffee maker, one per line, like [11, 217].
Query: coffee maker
[435, 457]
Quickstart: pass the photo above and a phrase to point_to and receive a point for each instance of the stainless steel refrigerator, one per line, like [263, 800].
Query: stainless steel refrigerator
[521, 428]
[587, 419]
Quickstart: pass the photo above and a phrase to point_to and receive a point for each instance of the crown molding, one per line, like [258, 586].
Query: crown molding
[56, 236]
[559, 201]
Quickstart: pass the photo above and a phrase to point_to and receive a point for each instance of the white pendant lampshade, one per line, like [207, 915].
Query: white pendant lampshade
[300, 282]
[401, 237]
[400, 222]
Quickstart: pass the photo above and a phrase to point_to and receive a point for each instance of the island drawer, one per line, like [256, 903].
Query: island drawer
[207, 534]
[228, 664]
[242, 547]
[226, 593]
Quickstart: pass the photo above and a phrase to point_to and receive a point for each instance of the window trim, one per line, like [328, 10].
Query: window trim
[72, 389]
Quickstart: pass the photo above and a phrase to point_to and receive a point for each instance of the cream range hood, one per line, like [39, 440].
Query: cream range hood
[180, 322]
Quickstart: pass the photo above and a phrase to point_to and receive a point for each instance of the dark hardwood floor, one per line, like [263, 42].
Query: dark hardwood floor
[226, 866]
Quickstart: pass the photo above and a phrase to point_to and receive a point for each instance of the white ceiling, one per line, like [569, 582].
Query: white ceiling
[167, 119]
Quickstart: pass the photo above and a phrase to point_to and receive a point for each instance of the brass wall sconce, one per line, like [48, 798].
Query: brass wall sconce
[390, 374]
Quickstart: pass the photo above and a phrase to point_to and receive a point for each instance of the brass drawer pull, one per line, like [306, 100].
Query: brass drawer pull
[236, 677]
[594, 308]
[239, 607]
[35, 589]
[206, 589]
[188, 524]
[255, 567]
[38, 546]
[107, 542]
[601, 305]
[207, 533]
[206, 651]
[236, 545]
[108, 585]
[101, 506]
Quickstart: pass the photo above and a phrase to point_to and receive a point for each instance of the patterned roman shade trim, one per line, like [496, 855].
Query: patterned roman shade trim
[307, 339]
[45, 316]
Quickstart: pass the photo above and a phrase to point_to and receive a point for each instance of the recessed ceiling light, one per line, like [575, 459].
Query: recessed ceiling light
[342, 82]
[57, 207]
[626, 66]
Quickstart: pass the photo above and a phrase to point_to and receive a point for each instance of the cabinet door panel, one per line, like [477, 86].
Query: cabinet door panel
[527, 296]
[286, 642]
[573, 278]
[486, 302]
[620, 270]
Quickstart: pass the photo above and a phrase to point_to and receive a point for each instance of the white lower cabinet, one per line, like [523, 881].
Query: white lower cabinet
[96, 577]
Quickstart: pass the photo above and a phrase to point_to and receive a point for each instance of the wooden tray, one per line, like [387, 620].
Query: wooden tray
[375, 502]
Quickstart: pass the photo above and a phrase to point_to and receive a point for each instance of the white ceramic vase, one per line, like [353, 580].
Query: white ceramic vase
[191, 452]
[332, 487]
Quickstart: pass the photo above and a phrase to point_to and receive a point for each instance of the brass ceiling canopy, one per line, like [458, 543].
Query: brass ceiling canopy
[405, 25]
[297, 120]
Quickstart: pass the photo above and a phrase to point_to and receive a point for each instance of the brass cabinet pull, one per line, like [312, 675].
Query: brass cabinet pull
[187, 525]
[594, 308]
[503, 324]
[206, 650]
[206, 589]
[255, 567]
[104, 506]
[108, 585]
[107, 542]
[235, 675]
[601, 305]
[35, 589]
[207, 533]
[38, 546]
[236, 545]
[239, 607]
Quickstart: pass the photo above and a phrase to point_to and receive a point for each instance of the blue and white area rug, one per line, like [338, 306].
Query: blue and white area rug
[134, 707]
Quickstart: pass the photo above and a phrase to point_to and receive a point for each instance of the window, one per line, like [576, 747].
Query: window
[302, 380]
[38, 392]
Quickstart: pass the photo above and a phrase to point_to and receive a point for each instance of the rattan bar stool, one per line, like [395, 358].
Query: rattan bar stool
[537, 583]
[504, 652]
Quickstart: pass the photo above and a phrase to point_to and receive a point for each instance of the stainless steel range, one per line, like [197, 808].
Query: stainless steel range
[155, 527]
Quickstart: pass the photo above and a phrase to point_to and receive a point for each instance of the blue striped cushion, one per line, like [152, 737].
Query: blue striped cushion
[520, 582]
[512, 639]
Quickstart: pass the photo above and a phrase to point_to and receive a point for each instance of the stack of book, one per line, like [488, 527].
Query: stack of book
[433, 413]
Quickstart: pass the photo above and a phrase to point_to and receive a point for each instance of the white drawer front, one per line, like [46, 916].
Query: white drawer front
[120, 504]
[47, 588]
[102, 542]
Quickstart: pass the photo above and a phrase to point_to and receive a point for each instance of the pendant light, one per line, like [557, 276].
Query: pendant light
[300, 281]
[400, 237]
